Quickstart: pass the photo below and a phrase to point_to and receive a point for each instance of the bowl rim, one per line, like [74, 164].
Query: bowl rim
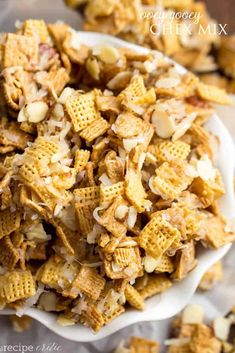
[80, 333]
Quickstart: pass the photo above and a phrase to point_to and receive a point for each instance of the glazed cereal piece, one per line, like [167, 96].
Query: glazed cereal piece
[36, 29]
[177, 87]
[135, 191]
[157, 237]
[92, 317]
[58, 33]
[166, 264]
[6, 198]
[55, 81]
[203, 340]
[89, 282]
[112, 308]
[81, 159]
[113, 167]
[167, 151]
[143, 345]
[64, 181]
[81, 110]
[213, 94]
[86, 200]
[9, 222]
[124, 263]
[202, 140]
[212, 276]
[58, 274]
[185, 261]
[208, 191]
[215, 232]
[116, 227]
[21, 324]
[95, 129]
[135, 88]
[16, 285]
[20, 51]
[128, 125]
[109, 193]
[11, 135]
[9, 255]
[171, 179]
[76, 52]
[66, 236]
[155, 284]
[134, 298]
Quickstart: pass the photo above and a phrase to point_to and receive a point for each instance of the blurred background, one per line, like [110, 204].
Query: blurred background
[10, 10]
[223, 12]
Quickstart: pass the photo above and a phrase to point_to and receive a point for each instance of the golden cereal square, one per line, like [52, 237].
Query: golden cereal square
[168, 150]
[81, 159]
[81, 110]
[9, 222]
[89, 282]
[156, 284]
[16, 285]
[20, 51]
[109, 193]
[36, 29]
[157, 236]
[9, 255]
[95, 129]
[134, 298]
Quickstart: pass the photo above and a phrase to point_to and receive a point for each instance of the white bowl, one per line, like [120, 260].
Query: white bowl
[178, 296]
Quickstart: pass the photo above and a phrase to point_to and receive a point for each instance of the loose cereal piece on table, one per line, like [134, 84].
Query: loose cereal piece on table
[143, 345]
[212, 276]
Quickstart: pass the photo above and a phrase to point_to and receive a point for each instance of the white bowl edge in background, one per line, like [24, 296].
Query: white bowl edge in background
[178, 296]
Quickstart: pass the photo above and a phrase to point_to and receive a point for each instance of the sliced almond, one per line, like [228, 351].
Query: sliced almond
[58, 111]
[120, 80]
[65, 95]
[121, 211]
[93, 68]
[48, 301]
[36, 111]
[192, 314]
[221, 327]
[108, 54]
[163, 123]
[132, 217]
[183, 126]
[205, 168]
[22, 116]
[36, 232]
[168, 82]
[150, 263]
